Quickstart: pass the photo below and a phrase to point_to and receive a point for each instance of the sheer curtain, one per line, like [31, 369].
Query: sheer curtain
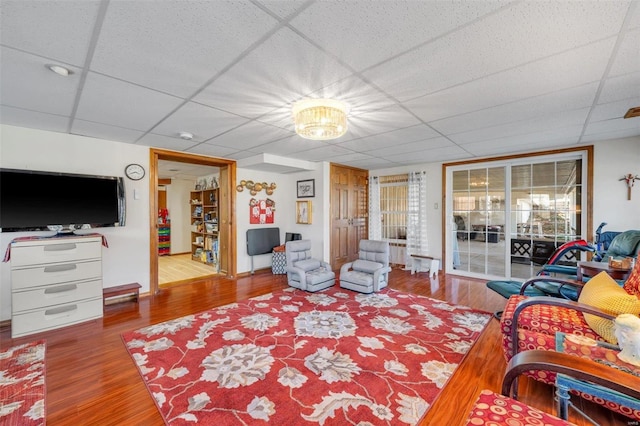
[416, 216]
[375, 218]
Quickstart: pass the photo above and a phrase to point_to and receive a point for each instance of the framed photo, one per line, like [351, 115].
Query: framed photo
[306, 188]
[303, 212]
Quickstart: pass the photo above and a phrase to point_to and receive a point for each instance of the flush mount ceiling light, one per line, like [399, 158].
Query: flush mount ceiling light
[186, 136]
[59, 69]
[320, 119]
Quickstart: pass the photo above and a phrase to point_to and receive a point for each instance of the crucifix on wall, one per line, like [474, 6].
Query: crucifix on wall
[630, 179]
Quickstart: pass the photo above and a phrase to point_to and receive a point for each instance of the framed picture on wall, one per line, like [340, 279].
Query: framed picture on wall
[306, 188]
[303, 212]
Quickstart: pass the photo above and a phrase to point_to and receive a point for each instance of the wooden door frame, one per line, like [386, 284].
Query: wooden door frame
[183, 157]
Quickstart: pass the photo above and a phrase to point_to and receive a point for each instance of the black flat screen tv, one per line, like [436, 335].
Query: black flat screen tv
[36, 200]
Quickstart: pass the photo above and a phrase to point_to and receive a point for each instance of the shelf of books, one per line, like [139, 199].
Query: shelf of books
[204, 227]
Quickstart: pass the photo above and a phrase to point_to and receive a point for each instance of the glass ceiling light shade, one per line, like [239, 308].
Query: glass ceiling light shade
[320, 119]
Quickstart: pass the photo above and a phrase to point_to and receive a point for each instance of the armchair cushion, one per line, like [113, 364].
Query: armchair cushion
[307, 264]
[366, 266]
[603, 292]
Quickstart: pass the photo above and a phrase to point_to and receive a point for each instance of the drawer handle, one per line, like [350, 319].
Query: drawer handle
[60, 247]
[61, 289]
[60, 268]
[60, 310]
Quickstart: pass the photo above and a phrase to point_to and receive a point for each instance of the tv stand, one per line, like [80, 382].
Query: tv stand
[55, 282]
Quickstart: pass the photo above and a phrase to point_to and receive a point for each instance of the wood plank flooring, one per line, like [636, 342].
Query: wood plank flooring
[181, 268]
[91, 380]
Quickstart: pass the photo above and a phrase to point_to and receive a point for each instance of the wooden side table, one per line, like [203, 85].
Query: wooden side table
[590, 269]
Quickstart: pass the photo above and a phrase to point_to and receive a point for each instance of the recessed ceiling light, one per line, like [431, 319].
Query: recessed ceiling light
[60, 70]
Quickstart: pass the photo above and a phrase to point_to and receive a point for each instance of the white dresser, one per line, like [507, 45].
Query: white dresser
[55, 282]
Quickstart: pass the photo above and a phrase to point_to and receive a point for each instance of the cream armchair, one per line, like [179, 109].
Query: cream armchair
[370, 273]
[305, 272]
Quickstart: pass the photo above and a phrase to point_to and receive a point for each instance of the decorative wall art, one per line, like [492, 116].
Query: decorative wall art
[306, 188]
[255, 187]
[261, 211]
[629, 179]
[303, 212]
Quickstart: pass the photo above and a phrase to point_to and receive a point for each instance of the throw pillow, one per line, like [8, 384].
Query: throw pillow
[605, 293]
[632, 284]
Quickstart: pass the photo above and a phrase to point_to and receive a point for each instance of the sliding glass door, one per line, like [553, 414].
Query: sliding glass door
[505, 218]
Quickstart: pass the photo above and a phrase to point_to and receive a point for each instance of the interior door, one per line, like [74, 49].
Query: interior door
[349, 213]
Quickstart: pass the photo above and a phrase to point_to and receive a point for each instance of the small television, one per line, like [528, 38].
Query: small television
[36, 200]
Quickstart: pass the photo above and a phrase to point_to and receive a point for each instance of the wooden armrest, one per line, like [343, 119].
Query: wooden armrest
[577, 367]
[551, 301]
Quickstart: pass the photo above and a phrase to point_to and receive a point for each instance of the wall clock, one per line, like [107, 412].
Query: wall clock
[134, 171]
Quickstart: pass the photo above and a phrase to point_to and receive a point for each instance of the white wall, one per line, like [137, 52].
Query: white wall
[127, 258]
[284, 197]
[613, 160]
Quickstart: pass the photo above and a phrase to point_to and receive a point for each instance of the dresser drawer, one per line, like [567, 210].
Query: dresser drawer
[37, 276]
[57, 294]
[64, 250]
[54, 317]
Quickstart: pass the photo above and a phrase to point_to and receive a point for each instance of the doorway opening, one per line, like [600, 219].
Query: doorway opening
[226, 264]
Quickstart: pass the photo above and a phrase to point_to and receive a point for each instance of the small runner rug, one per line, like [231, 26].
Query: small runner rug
[22, 388]
[292, 357]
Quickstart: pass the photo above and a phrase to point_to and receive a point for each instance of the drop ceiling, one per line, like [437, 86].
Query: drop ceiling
[426, 81]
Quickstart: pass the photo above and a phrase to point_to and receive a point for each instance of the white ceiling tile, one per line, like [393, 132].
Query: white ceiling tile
[613, 125]
[520, 110]
[619, 88]
[533, 125]
[202, 121]
[284, 8]
[428, 156]
[380, 121]
[625, 133]
[359, 96]
[176, 46]
[271, 76]
[105, 131]
[58, 30]
[627, 59]
[213, 150]
[325, 152]
[383, 140]
[37, 120]
[110, 101]
[513, 37]
[166, 142]
[239, 155]
[570, 69]
[377, 30]
[369, 163]
[543, 138]
[250, 135]
[613, 109]
[414, 147]
[289, 145]
[27, 83]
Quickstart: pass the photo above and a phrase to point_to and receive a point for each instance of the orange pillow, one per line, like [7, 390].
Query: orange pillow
[605, 293]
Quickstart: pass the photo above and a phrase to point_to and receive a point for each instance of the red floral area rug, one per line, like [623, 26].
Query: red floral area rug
[292, 357]
[22, 388]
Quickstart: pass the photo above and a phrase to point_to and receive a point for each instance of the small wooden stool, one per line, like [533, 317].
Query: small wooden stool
[132, 289]
[418, 259]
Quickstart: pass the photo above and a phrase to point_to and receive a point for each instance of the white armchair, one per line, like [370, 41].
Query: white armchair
[305, 272]
[370, 273]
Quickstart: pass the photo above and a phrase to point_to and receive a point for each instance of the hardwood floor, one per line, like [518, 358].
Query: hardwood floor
[91, 380]
[179, 268]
